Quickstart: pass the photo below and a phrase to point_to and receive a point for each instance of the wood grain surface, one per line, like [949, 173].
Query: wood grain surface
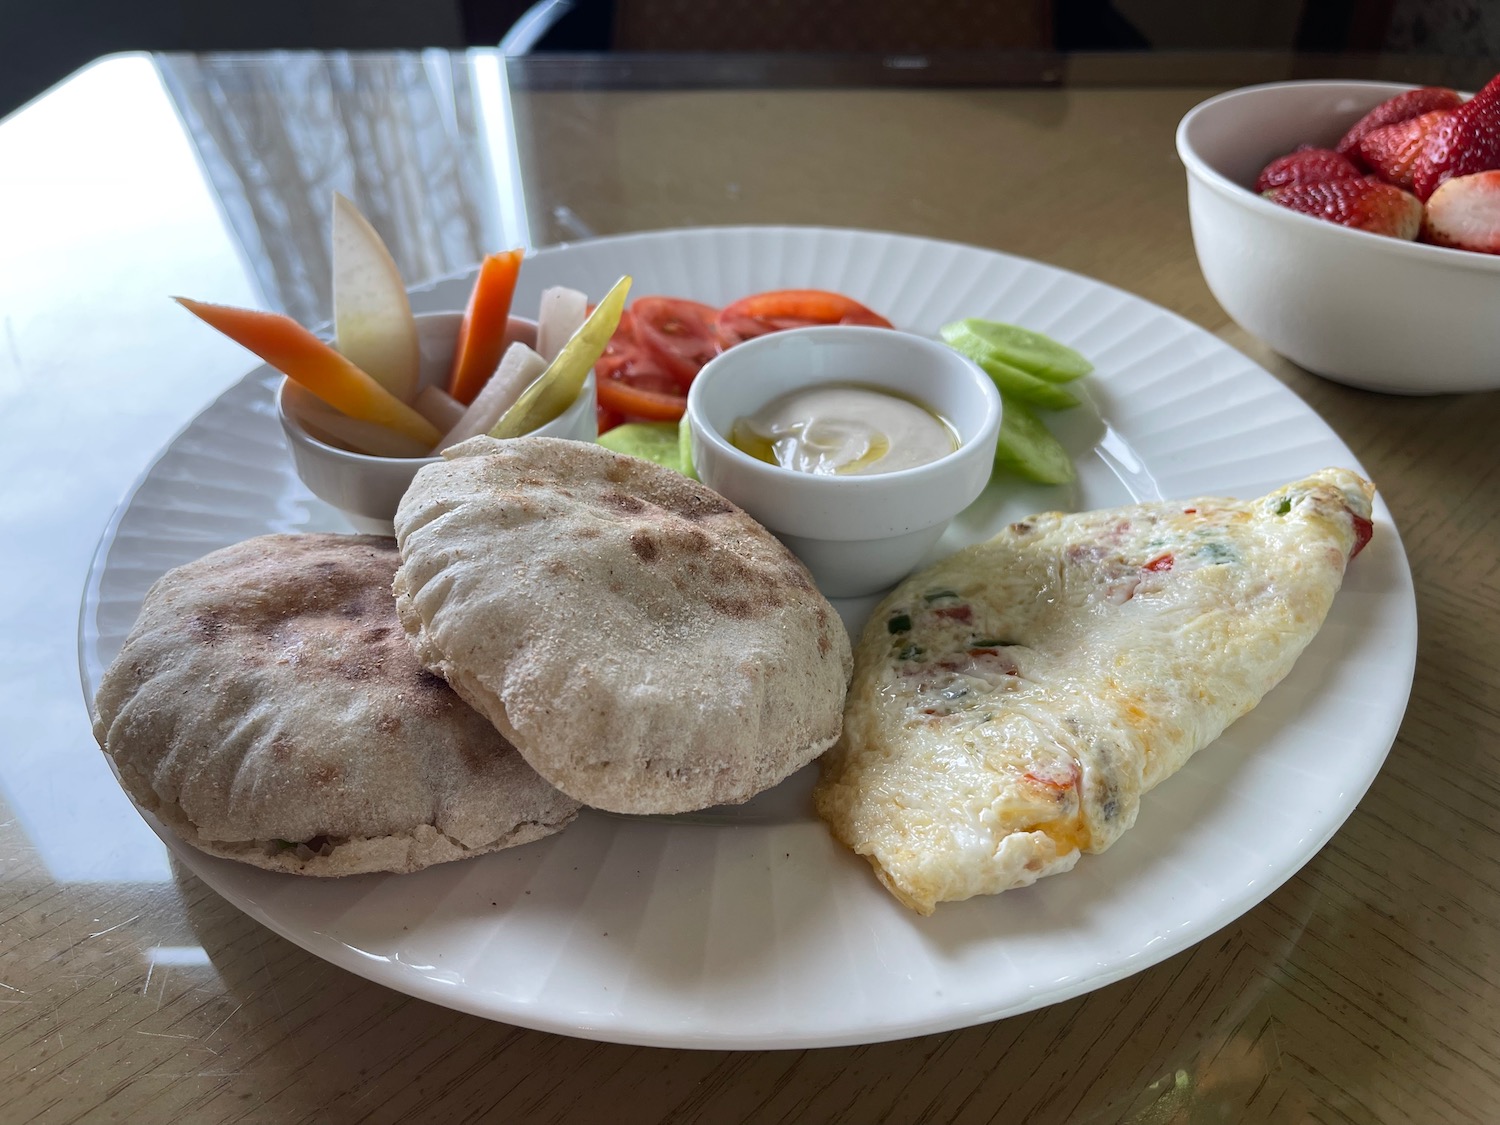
[1366, 990]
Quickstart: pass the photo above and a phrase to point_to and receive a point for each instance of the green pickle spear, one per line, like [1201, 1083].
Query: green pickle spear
[1027, 448]
[556, 388]
[1017, 347]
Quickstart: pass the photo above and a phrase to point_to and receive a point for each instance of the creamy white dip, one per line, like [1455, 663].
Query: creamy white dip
[844, 429]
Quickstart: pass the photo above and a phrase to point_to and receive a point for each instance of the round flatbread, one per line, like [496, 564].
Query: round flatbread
[268, 708]
[645, 644]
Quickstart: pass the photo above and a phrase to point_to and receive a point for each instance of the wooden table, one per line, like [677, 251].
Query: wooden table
[1364, 990]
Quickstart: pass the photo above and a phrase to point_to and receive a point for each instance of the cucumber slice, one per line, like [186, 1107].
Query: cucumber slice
[1032, 352]
[1012, 380]
[1027, 448]
[685, 449]
[650, 441]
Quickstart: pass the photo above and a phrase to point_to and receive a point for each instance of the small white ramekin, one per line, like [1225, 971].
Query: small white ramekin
[367, 489]
[856, 534]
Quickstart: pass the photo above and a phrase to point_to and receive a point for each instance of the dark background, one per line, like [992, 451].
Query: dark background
[43, 41]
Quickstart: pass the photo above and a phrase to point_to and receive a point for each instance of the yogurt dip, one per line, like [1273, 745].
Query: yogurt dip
[844, 429]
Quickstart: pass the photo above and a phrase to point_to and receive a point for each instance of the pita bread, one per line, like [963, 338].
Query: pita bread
[267, 707]
[1012, 704]
[647, 646]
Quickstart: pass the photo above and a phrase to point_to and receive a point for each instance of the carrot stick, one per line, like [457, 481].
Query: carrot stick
[292, 349]
[481, 336]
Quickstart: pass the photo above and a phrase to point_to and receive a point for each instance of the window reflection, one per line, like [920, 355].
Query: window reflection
[418, 141]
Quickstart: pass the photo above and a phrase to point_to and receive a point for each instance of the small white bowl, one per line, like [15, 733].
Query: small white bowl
[857, 534]
[367, 489]
[1355, 307]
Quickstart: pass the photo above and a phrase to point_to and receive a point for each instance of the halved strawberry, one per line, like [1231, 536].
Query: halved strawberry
[1365, 203]
[1466, 141]
[1305, 166]
[1403, 107]
[1464, 212]
[1391, 151]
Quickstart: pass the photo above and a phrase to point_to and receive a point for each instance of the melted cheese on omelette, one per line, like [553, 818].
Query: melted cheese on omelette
[1011, 704]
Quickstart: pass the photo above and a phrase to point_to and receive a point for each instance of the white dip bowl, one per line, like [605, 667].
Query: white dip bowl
[856, 534]
[1359, 308]
[366, 488]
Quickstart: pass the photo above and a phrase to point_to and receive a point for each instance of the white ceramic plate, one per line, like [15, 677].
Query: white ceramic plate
[749, 927]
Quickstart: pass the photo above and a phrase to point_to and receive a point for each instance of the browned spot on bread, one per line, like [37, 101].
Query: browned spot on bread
[824, 644]
[282, 748]
[695, 504]
[208, 626]
[356, 669]
[557, 567]
[1021, 527]
[388, 723]
[737, 608]
[688, 539]
[325, 774]
[616, 471]
[623, 502]
[643, 545]
[432, 696]
[374, 634]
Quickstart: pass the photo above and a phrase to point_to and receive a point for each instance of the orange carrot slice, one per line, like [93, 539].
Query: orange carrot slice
[292, 349]
[481, 336]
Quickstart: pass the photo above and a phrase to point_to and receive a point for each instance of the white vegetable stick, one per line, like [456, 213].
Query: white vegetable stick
[561, 314]
[438, 407]
[334, 427]
[519, 368]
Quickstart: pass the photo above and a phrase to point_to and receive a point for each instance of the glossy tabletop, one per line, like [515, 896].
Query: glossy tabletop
[1363, 990]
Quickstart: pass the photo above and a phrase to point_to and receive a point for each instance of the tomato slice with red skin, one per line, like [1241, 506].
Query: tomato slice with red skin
[781, 309]
[680, 335]
[634, 400]
[606, 418]
[632, 383]
[1364, 531]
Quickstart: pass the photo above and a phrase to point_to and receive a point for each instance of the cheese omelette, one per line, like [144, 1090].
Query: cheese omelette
[1011, 704]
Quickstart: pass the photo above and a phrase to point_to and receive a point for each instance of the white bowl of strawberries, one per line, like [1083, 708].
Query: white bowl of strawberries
[1354, 227]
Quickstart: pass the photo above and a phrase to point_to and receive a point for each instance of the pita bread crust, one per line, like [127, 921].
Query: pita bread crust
[267, 697]
[1123, 641]
[646, 645]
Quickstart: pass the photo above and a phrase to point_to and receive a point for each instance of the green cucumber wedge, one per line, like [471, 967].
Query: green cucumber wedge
[1012, 380]
[1032, 352]
[650, 441]
[1027, 448]
[685, 448]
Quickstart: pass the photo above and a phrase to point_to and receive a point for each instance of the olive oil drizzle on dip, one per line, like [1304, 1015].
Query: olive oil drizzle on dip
[843, 429]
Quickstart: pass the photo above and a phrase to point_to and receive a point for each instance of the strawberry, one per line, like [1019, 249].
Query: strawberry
[1403, 107]
[1464, 212]
[1467, 141]
[1305, 166]
[1391, 151]
[1365, 203]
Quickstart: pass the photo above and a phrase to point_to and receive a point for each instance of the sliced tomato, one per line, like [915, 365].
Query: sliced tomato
[606, 418]
[635, 400]
[632, 383]
[791, 308]
[681, 335]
